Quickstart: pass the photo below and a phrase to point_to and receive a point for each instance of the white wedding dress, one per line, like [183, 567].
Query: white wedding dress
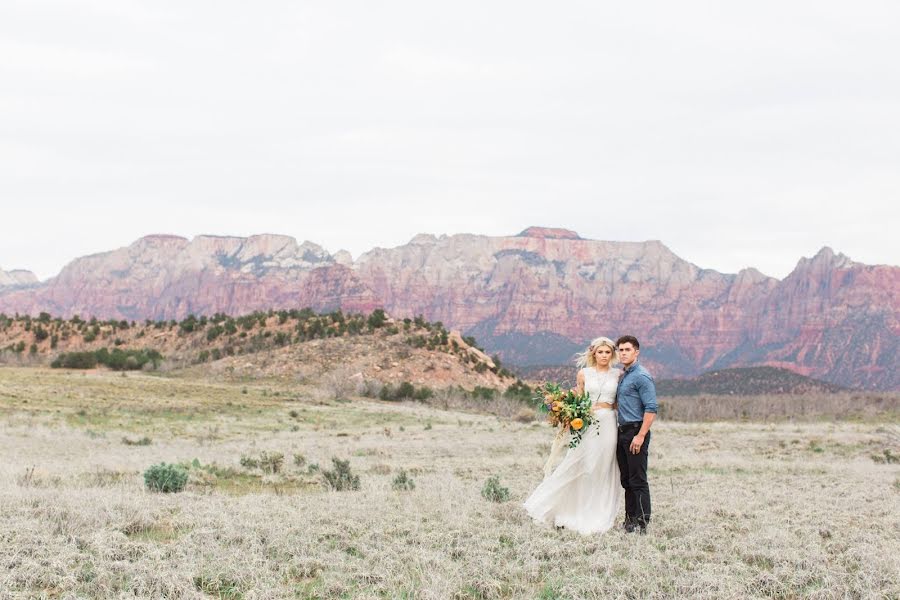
[582, 493]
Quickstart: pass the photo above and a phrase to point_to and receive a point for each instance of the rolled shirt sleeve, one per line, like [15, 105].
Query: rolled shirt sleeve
[647, 390]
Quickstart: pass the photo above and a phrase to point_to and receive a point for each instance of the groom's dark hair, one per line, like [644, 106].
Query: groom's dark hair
[628, 339]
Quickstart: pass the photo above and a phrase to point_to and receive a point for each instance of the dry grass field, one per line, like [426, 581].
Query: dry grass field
[741, 510]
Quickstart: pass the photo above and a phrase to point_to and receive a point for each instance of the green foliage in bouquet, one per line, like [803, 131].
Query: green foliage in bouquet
[566, 409]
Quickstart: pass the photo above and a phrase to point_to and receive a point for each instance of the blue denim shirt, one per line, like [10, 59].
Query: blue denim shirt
[636, 394]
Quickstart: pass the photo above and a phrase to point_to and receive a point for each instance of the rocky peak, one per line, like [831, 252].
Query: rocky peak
[751, 276]
[344, 258]
[158, 242]
[17, 277]
[825, 259]
[552, 233]
[424, 238]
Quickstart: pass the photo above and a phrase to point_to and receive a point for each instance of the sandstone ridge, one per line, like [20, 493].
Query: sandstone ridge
[535, 298]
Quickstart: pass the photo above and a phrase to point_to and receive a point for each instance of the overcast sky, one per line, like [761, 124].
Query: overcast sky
[739, 134]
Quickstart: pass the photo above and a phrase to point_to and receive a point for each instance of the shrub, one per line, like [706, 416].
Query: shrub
[341, 478]
[493, 491]
[165, 478]
[423, 393]
[40, 334]
[75, 360]
[248, 462]
[403, 482]
[144, 441]
[483, 393]
[189, 324]
[406, 390]
[376, 319]
[213, 332]
[519, 391]
[271, 462]
[117, 360]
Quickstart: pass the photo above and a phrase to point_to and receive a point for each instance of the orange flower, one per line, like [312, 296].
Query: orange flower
[577, 424]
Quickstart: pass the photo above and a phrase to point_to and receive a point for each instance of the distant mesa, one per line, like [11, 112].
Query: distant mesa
[550, 233]
[531, 299]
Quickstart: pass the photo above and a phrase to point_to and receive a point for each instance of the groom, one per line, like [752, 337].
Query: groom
[636, 396]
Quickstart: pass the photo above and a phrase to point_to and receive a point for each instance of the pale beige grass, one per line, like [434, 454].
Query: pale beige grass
[740, 510]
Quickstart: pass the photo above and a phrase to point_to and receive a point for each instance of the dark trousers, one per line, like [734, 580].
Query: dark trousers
[633, 471]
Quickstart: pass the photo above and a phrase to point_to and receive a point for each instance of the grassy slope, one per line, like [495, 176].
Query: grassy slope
[749, 510]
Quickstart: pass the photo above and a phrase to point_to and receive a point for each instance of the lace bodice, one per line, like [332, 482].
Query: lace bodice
[601, 386]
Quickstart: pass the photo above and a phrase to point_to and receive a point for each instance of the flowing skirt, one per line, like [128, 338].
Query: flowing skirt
[582, 493]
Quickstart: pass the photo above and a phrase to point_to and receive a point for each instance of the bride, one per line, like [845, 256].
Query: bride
[582, 493]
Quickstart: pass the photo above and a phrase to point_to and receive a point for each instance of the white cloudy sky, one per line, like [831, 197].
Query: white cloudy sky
[739, 134]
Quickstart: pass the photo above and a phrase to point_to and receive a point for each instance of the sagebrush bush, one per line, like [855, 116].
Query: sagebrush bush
[271, 462]
[403, 482]
[144, 441]
[341, 478]
[493, 491]
[165, 478]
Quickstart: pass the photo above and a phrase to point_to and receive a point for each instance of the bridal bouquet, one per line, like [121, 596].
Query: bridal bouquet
[566, 409]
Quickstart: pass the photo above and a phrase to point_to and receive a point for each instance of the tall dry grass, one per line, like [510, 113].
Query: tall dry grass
[778, 407]
[741, 510]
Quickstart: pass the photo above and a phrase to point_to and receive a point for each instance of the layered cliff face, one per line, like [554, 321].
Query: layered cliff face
[535, 298]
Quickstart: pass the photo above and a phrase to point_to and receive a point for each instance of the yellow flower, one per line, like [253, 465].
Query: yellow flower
[577, 424]
[556, 407]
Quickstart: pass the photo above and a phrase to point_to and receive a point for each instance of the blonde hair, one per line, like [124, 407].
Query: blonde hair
[587, 359]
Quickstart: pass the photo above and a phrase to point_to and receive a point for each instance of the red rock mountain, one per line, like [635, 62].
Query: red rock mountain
[535, 298]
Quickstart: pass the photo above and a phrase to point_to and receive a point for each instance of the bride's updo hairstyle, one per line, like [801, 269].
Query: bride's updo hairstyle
[586, 358]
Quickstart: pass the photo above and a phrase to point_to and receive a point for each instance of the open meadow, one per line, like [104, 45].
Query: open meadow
[741, 509]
